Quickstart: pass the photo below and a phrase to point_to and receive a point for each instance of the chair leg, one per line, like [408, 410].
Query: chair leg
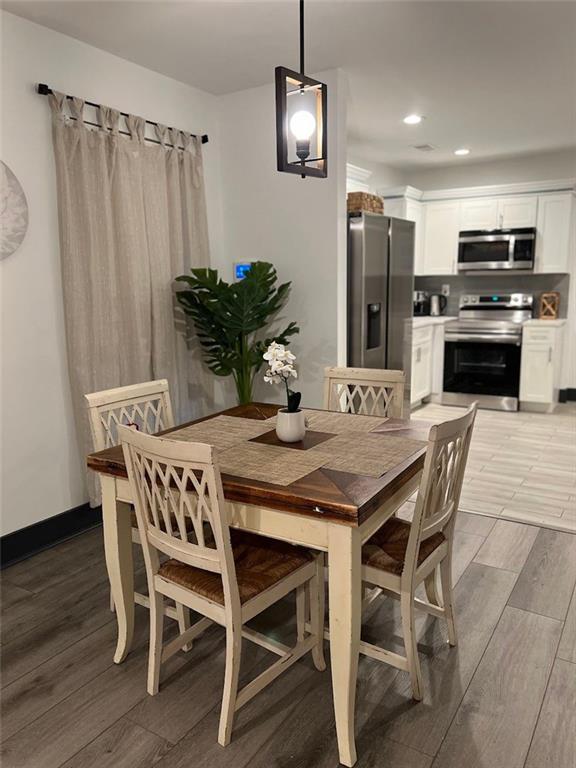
[300, 612]
[409, 631]
[155, 650]
[316, 590]
[183, 614]
[233, 655]
[431, 587]
[446, 579]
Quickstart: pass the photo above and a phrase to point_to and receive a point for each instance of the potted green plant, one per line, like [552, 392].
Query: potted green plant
[229, 319]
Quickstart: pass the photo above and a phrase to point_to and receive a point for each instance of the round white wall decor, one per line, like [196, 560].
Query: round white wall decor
[13, 212]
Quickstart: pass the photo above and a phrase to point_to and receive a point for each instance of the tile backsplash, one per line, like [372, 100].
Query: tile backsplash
[497, 283]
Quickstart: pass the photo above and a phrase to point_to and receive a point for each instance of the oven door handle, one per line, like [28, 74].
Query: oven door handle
[502, 338]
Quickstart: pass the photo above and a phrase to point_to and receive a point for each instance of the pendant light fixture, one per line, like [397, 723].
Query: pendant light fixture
[301, 119]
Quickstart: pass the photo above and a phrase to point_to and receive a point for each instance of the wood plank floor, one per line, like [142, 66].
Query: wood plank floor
[504, 698]
[522, 466]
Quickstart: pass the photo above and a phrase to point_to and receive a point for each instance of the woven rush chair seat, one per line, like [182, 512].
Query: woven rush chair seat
[386, 549]
[259, 565]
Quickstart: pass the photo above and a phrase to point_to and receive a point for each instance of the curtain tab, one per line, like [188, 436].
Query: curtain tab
[187, 143]
[175, 137]
[114, 119]
[197, 176]
[77, 110]
[136, 127]
[108, 119]
[56, 101]
[161, 133]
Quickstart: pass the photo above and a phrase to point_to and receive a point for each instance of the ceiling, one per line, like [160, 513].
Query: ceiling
[498, 77]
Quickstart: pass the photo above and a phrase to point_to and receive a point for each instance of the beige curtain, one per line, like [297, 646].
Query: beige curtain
[132, 218]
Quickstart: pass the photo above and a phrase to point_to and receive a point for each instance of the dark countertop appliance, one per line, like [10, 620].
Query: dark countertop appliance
[482, 350]
[421, 303]
[502, 249]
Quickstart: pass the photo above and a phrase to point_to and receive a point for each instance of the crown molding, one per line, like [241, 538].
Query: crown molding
[355, 173]
[494, 190]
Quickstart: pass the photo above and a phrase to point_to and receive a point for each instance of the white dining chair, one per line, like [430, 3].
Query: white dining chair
[146, 406]
[401, 555]
[367, 391]
[228, 577]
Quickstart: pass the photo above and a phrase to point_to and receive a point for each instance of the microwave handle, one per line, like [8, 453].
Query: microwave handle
[511, 248]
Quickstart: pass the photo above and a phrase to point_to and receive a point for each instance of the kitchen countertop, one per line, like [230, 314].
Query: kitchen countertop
[423, 320]
[542, 321]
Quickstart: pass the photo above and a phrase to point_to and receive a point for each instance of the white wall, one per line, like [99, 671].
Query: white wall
[42, 470]
[297, 224]
[467, 173]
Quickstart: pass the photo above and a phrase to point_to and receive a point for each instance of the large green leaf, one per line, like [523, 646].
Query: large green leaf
[228, 318]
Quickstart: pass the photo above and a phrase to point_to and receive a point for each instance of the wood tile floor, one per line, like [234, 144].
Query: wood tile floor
[522, 466]
[505, 698]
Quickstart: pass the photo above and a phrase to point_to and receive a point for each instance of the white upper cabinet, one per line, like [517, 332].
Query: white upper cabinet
[441, 228]
[553, 235]
[498, 212]
[516, 212]
[479, 214]
[442, 214]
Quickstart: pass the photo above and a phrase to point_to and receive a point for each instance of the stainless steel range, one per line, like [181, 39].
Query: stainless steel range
[482, 350]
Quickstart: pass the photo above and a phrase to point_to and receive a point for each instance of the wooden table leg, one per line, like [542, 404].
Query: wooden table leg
[119, 562]
[344, 580]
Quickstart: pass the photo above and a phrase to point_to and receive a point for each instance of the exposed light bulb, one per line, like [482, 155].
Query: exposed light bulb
[462, 151]
[413, 119]
[302, 125]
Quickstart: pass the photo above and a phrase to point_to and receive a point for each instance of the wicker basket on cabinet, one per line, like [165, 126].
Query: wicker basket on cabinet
[363, 201]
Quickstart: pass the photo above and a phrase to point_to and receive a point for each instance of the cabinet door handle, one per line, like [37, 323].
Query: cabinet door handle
[549, 355]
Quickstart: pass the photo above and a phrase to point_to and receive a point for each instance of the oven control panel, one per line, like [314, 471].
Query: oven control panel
[508, 300]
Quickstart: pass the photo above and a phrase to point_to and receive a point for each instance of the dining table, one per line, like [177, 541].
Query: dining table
[329, 510]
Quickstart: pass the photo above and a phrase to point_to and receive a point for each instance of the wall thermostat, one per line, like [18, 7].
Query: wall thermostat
[240, 269]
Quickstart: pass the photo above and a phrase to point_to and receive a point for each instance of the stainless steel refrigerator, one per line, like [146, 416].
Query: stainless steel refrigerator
[380, 293]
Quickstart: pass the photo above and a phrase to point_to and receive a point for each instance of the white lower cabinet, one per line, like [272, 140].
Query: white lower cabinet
[421, 382]
[540, 366]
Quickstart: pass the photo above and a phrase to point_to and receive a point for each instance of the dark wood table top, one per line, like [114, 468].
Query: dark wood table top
[324, 493]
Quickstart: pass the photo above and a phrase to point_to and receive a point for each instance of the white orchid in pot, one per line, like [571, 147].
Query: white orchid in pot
[290, 422]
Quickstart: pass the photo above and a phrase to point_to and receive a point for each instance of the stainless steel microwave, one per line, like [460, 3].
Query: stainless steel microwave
[496, 249]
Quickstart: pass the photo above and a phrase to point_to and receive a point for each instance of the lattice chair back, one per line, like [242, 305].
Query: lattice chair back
[177, 492]
[368, 391]
[146, 405]
[441, 484]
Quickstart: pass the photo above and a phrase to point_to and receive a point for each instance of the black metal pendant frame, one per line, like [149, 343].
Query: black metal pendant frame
[301, 167]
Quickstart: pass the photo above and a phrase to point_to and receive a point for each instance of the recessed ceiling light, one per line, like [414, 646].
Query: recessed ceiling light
[413, 119]
[462, 151]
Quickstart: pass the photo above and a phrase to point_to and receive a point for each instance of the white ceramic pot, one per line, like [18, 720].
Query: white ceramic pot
[290, 427]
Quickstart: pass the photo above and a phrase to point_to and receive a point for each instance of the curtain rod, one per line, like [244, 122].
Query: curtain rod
[45, 90]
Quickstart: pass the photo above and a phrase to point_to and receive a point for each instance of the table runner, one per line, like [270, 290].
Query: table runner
[354, 448]
[338, 423]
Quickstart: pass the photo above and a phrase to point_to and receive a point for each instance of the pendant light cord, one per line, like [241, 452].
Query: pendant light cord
[301, 37]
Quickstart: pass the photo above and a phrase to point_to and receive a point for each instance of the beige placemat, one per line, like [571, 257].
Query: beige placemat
[338, 423]
[362, 453]
[222, 431]
[268, 463]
